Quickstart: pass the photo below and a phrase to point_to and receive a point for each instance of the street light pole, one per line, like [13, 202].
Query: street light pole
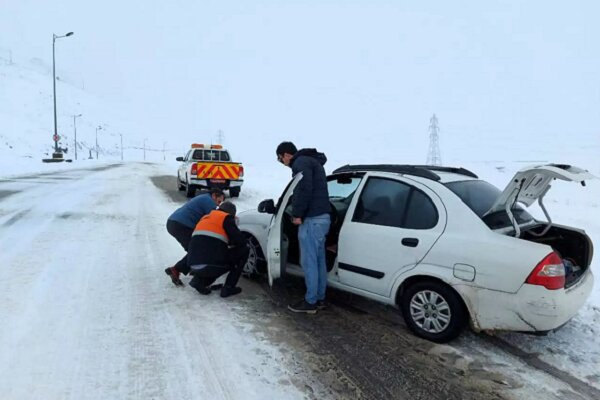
[98, 128]
[145, 148]
[75, 129]
[55, 137]
[120, 134]
[164, 157]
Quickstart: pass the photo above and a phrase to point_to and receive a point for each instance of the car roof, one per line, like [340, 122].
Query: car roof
[433, 172]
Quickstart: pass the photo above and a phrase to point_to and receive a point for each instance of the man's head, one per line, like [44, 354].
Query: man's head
[217, 195]
[228, 207]
[285, 151]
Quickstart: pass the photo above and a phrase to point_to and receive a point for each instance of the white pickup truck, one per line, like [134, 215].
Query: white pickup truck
[209, 166]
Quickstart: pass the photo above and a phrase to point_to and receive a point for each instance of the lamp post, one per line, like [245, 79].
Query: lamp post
[164, 157]
[55, 137]
[98, 128]
[120, 134]
[75, 130]
[145, 148]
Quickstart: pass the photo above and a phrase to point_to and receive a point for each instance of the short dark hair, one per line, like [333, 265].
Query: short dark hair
[217, 192]
[286, 147]
[228, 207]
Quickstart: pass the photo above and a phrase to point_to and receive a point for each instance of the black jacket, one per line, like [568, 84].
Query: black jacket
[311, 197]
[209, 250]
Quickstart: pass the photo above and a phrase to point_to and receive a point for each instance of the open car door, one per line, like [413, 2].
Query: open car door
[277, 243]
[531, 184]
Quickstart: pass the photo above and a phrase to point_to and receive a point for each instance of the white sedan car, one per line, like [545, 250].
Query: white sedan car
[440, 244]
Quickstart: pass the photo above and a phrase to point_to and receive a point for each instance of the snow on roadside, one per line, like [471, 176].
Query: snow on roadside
[92, 315]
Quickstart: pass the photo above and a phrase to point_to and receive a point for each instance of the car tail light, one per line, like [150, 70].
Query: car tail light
[194, 169]
[549, 273]
[241, 172]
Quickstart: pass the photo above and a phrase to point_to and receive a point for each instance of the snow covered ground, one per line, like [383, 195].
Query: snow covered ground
[86, 310]
[86, 317]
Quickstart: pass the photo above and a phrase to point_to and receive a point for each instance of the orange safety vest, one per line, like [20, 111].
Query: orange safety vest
[212, 225]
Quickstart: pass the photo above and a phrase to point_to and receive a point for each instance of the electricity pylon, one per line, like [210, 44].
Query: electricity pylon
[433, 156]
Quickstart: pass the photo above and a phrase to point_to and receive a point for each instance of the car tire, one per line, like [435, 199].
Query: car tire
[433, 311]
[255, 267]
[234, 191]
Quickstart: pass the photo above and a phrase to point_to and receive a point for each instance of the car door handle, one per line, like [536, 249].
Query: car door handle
[410, 242]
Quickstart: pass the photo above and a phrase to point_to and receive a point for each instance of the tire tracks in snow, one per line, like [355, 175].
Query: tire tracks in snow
[534, 361]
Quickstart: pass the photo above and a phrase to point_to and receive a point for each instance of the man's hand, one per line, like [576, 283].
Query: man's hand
[297, 221]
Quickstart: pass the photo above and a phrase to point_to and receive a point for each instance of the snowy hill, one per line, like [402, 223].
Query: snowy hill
[27, 125]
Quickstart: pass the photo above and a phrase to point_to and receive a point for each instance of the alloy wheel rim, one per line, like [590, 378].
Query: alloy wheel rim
[430, 311]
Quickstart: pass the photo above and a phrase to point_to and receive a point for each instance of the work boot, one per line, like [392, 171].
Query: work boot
[227, 291]
[303, 307]
[174, 275]
[201, 289]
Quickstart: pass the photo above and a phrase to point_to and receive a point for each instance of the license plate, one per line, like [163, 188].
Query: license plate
[217, 180]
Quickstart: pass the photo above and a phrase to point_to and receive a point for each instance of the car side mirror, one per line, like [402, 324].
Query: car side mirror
[179, 159]
[267, 207]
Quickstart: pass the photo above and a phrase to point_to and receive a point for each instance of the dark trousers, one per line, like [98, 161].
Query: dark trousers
[183, 235]
[236, 259]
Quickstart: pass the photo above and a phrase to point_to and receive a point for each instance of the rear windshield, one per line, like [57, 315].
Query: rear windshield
[210, 155]
[480, 196]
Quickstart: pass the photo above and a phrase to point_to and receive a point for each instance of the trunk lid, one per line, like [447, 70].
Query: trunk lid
[531, 183]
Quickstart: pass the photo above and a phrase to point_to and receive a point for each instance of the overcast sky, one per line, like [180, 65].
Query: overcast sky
[348, 71]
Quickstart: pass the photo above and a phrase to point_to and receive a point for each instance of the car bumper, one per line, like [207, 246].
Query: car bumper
[208, 184]
[532, 309]
[546, 310]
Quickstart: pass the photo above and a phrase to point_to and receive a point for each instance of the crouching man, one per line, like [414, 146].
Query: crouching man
[216, 248]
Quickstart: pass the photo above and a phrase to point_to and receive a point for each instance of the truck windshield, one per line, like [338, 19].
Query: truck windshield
[480, 196]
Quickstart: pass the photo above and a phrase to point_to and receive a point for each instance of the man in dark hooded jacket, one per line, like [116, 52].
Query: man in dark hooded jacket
[310, 210]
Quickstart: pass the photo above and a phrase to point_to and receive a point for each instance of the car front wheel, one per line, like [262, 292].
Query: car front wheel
[433, 311]
[256, 260]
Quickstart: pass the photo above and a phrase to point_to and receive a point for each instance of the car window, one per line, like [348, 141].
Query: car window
[389, 202]
[342, 187]
[480, 196]
[421, 212]
[224, 156]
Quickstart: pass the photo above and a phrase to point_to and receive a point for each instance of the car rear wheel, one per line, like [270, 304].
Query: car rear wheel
[180, 185]
[433, 311]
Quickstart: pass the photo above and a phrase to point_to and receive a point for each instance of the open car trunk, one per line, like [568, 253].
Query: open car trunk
[573, 245]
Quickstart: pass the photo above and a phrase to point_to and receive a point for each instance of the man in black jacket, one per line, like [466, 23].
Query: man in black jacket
[217, 247]
[310, 210]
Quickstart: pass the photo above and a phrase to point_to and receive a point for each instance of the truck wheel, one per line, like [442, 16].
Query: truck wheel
[180, 185]
[190, 191]
[433, 311]
[234, 192]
